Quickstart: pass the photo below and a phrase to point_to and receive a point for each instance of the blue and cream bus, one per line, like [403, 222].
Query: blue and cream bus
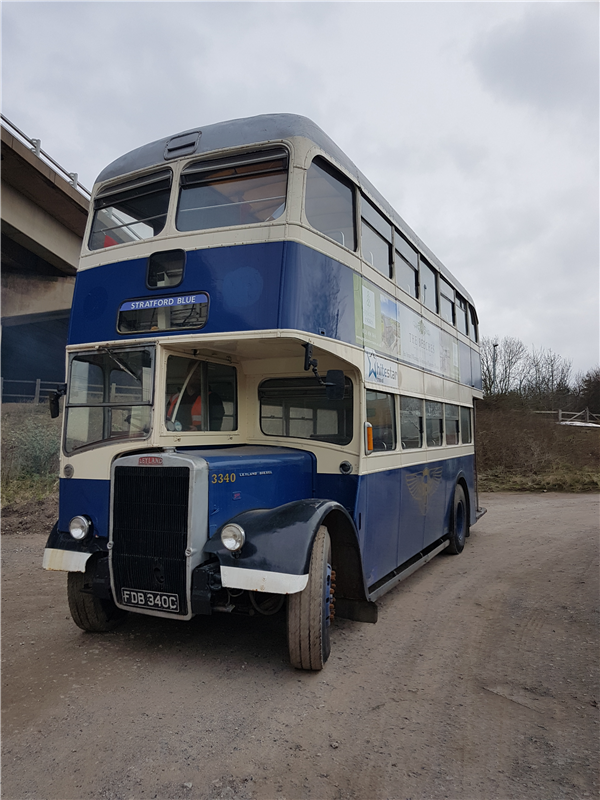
[270, 389]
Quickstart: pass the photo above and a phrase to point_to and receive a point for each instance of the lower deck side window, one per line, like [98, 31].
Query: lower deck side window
[434, 420]
[411, 422]
[299, 407]
[451, 424]
[381, 415]
[466, 434]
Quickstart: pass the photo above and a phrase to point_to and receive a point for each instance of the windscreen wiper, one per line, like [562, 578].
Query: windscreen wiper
[119, 363]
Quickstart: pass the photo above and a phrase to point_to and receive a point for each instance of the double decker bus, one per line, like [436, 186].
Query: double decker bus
[270, 389]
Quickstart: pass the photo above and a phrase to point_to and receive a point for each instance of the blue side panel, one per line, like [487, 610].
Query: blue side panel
[341, 488]
[243, 478]
[399, 512]
[84, 496]
[243, 284]
[382, 523]
[317, 294]
[412, 519]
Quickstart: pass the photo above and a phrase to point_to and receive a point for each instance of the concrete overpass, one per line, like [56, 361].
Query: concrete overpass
[43, 220]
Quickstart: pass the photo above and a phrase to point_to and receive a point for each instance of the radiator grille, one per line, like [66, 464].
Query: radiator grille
[150, 530]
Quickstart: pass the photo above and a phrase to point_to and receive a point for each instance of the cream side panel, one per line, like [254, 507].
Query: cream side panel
[434, 387]
[412, 382]
[452, 391]
[466, 395]
[94, 464]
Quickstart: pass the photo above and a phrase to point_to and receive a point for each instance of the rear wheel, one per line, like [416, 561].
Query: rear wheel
[90, 613]
[309, 611]
[459, 524]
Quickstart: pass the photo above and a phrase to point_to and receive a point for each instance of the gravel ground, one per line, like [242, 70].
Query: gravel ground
[479, 682]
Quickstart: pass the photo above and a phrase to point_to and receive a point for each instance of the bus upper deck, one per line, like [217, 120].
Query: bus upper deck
[264, 224]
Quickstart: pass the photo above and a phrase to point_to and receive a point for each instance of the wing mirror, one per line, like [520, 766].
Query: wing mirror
[54, 398]
[334, 379]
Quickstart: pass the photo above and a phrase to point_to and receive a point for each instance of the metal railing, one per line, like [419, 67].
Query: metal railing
[35, 391]
[36, 147]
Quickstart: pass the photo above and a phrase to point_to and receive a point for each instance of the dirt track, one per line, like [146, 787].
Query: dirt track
[479, 682]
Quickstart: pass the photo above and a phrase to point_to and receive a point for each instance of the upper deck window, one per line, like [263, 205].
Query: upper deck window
[406, 262]
[447, 298]
[473, 333]
[376, 238]
[461, 314]
[238, 190]
[428, 286]
[329, 203]
[131, 211]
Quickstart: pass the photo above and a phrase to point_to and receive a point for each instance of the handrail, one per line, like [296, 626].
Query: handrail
[36, 147]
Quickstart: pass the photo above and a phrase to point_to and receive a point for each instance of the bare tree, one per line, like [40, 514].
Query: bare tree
[547, 383]
[587, 390]
[502, 365]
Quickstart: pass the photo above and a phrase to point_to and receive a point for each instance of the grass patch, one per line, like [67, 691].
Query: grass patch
[518, 450]
[30, 452]
[558, 480]
[28, 489]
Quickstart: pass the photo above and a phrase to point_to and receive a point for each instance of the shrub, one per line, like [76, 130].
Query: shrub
[521, 450]
[30, 450]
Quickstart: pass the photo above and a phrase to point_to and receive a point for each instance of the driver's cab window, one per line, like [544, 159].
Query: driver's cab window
[200, 396]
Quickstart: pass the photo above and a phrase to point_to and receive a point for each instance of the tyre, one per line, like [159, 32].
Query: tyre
[459, 523]
[90, 613]
[308, 612]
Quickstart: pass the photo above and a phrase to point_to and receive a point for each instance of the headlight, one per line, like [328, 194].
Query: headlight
[233, 537]
[79, 527]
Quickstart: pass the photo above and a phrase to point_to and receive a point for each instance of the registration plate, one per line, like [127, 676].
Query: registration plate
[157, 601]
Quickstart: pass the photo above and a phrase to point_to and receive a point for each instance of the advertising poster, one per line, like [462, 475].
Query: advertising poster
[385, 325]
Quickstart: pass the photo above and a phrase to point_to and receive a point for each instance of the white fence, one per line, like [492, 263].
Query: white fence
[573, 416]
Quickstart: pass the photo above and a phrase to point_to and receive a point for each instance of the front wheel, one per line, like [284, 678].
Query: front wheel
[459, 523]
[309, 611]
[91, 613]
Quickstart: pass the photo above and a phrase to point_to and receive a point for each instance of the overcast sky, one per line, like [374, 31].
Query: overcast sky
[477, 121]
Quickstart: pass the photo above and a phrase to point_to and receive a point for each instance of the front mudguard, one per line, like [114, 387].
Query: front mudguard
[276, 554]
[65, 554]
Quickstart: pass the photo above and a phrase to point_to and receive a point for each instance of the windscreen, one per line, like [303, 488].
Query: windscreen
[109, 396]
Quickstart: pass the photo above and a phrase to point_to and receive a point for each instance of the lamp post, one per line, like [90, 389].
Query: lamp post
[495, 345]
